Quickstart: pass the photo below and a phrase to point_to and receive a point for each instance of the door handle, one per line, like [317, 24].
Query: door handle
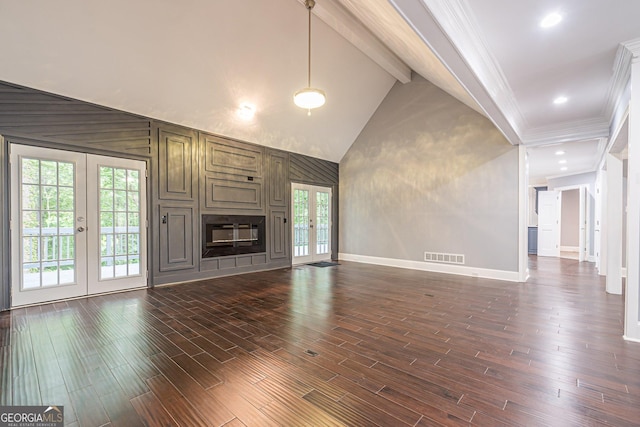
[80, 229]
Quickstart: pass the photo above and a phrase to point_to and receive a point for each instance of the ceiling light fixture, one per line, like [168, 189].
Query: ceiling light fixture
[559, 153]
[551, 20]
[564, 168]
[560, 100]
[246, 111]
[562, 162]
[309, 97]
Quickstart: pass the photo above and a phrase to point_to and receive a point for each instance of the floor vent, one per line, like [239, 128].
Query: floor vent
[311, 353]
[445, 258]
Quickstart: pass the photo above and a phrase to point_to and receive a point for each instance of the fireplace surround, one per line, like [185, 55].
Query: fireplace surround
[224, 235]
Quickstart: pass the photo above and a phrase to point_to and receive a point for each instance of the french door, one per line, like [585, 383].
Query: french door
[311, 223]
[78, 224]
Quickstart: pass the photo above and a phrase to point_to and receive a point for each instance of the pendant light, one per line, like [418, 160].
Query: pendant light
[309, 97]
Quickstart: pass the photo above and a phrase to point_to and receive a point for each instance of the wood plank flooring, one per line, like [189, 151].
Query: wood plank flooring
[355, 345]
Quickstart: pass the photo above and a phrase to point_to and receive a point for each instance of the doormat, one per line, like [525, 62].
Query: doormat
[323, 264]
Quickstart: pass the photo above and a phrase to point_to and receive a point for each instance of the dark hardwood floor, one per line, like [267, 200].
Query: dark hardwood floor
[354, 345]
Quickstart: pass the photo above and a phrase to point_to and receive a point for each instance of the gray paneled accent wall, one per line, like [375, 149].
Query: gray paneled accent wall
[427, 173]
[189, 173]
[25, 111]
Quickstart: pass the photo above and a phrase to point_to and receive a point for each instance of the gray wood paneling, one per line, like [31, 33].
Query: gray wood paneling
[278, 234]
[176, 238]
[175, 174]
[278, 174]
[25, 111]
[309, 170]
[177, 165]
[233, 157]
[228, 194]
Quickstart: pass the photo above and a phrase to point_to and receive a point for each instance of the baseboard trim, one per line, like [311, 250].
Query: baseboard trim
[569, 249]
[485, 273]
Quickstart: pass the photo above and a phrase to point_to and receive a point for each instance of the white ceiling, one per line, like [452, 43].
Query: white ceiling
[194, 62]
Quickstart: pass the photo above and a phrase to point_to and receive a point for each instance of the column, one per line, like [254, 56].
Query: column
[632, 294]
[613, 211]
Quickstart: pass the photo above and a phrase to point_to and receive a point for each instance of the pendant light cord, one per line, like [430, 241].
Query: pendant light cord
[309, 49]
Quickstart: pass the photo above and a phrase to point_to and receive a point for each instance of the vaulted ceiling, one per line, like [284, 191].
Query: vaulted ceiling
[195, 62]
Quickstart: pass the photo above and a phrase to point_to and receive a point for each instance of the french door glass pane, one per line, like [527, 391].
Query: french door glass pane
[47, 207]
[119, 201]
[322, 223]
[301, 222]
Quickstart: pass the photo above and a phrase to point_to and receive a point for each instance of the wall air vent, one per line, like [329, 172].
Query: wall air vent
[444, 258]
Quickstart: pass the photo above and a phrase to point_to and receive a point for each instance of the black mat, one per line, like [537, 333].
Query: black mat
[323, 264]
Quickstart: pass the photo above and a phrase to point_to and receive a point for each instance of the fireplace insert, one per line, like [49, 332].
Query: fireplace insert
[224, 235]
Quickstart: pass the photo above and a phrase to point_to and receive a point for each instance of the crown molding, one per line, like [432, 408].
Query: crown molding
[634, 47]
[332, 13]
[619, 85]
[448, 29]
[460, 24]
[567, 132]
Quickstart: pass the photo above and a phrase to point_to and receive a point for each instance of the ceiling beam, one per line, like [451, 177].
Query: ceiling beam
[445, 28]
[345, 24]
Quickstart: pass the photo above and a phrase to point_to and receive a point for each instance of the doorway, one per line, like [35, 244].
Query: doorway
[78, 224]
[311, 225]
[564, 218]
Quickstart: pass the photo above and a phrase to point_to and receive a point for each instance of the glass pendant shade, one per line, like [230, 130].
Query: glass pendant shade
[309, 98]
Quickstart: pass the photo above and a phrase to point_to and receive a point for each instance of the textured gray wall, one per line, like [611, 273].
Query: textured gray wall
[427, 173]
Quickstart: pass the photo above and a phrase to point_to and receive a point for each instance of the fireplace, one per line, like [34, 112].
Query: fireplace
[224, 235]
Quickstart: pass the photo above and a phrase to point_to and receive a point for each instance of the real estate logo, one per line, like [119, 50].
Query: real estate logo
[31, 416]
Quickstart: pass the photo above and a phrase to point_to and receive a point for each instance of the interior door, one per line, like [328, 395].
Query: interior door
[548, 223]
[78, 224]
[311, 225]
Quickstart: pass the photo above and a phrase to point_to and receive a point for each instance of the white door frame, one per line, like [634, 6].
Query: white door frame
[313, 256]
[78, 287]
[585, 219]
[87, 237]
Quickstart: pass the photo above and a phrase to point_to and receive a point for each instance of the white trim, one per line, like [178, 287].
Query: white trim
[313, 191]
[575, 249]
[436, 23]
[632, 289]
[567, 132]
[484, 273]
[623, 272]
[626, 338]
[523, 211]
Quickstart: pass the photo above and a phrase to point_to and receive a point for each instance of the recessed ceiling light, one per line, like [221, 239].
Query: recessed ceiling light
[246, 111]
[551, 20]
[559, 153]
[564, 168]
[562, 162]
[560, 100]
